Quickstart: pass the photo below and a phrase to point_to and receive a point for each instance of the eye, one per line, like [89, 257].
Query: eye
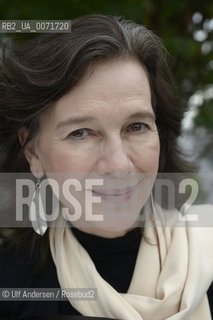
[79, 134]
[138, 127]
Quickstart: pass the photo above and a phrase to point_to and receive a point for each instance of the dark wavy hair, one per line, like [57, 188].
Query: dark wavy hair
[34, 75]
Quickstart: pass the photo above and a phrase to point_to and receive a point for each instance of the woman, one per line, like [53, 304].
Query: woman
[95, 112]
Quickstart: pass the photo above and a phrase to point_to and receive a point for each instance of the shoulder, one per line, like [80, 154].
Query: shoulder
[200, 218]
[210, 297]
[201, 228]
[14, 269]
[14, 273]
[20, 269]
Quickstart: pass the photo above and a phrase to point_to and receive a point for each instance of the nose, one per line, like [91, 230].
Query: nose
[115, 162]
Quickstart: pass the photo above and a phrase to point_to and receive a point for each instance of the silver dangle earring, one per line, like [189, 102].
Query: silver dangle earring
[37, 213]
[152, 204]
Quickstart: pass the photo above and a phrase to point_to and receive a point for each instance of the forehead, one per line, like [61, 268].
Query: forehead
[110, 86]
[113, 77]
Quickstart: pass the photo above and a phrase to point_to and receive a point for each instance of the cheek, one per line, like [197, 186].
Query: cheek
[59, 159]
[146, 157]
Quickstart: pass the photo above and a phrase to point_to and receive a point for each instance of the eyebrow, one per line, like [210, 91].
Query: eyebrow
[75, 120]
[78, 120]
[143, 114]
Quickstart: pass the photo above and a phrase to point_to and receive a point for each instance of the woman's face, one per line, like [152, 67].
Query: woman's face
[104, 129]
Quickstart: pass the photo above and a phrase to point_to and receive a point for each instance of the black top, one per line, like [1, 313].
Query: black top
[114, 259]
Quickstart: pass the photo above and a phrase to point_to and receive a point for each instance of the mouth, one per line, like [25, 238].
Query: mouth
[117, 192]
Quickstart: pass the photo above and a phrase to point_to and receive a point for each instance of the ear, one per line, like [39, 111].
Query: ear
[31, 154]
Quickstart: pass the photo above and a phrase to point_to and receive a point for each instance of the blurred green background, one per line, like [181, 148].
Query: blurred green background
[185, 26]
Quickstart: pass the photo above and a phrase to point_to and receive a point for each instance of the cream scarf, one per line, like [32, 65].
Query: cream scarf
[173, 271]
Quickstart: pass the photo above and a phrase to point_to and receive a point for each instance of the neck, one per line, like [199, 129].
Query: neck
[105, 233]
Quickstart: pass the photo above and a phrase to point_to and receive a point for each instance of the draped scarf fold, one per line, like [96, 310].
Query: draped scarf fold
[173, 271]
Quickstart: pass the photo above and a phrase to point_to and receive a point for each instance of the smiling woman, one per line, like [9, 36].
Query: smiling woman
[100, 110]
[103, 129]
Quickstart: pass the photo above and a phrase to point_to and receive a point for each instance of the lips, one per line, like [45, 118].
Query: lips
[116, 192]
